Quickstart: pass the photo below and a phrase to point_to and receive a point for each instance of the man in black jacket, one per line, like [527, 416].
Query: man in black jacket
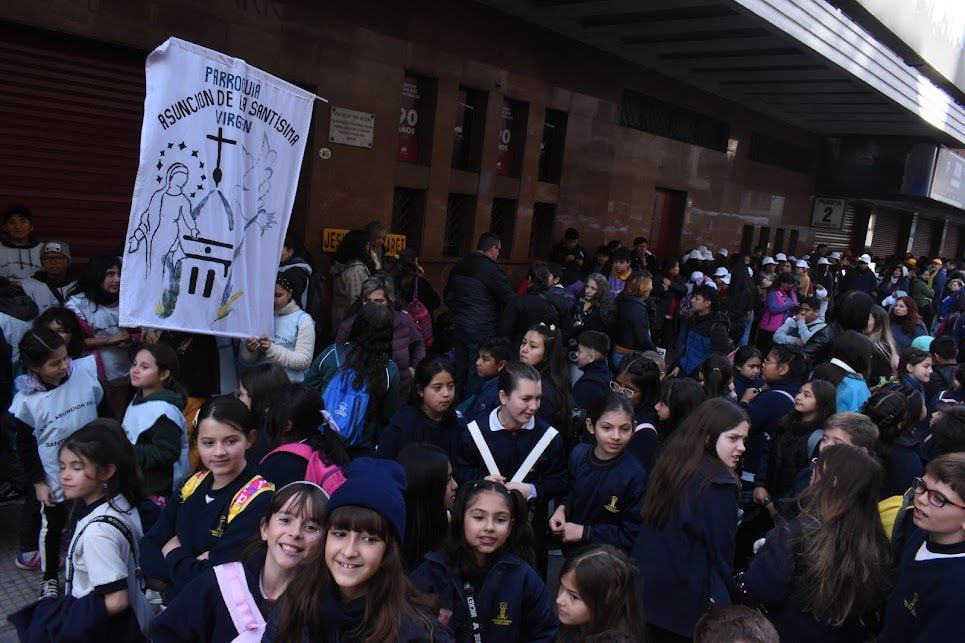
[476, 293]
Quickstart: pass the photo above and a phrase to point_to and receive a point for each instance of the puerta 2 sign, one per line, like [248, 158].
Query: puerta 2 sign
[221, 149]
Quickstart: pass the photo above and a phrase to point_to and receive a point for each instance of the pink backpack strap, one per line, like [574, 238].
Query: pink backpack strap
[241, 605]
[297, 448]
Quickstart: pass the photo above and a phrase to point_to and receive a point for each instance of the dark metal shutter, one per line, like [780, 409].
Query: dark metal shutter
[70, 130]
[952, 240]
[884, 240]
[838, 240]
[927, 233]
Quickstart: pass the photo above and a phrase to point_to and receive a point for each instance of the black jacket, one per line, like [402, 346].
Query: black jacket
[529, 310]
[632, 325]
[476, 293]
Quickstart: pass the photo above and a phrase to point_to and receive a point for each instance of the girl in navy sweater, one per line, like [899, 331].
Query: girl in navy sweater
[215, 511]
[639, 381]
[598, 593]
[206, 612]
[679, 397]
[748, 362]
[485, 567]
[430, 414]
[542, 348]
[914, 369]
[356, 590]
[818, 575]
[303, 431]
[606, 483]
[690, 514]
[896, 412]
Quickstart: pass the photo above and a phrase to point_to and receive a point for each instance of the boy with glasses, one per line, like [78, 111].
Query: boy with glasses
[925, 604]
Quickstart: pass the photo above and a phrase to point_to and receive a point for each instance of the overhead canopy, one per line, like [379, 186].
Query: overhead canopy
[800, 61]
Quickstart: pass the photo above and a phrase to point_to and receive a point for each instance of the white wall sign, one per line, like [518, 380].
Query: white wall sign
[349, 127]
[828, 213]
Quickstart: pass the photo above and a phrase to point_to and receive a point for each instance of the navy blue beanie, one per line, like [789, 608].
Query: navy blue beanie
[375, 484]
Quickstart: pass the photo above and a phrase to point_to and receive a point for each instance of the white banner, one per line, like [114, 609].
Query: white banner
[221, 148]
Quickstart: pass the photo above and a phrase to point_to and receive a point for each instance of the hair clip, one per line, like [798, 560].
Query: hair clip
[194, 421]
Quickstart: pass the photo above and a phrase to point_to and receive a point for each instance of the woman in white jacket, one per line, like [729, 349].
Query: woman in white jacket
[293, 341]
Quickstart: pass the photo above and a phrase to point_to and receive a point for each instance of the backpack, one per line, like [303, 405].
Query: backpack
[239, 502]
[346, 403]
[241, 605]
[327, 476]
[420, 315]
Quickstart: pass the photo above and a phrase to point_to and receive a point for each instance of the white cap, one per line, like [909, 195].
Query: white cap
[781, 256]
[767, 261]
[750, 271]
[792, 258]
[723, 252]
[865, 258]
[801, 263]
[720, 272]
[836, 255]
[820, 290]
[823, 261]
[726, 279]
[710, 282]
[696, 276]
[707, 255]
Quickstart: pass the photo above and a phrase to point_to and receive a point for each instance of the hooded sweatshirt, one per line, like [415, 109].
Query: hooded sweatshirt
[19, 262]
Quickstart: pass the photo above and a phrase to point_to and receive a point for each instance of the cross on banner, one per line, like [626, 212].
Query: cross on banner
[220, 139]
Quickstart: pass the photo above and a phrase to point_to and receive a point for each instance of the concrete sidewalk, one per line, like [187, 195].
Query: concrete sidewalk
[18, 587]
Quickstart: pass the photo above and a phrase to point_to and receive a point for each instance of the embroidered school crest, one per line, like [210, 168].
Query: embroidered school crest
[501, 618]
[612, 506]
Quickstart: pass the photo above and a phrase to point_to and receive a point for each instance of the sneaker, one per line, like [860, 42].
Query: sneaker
[50, 589]
[28, 560]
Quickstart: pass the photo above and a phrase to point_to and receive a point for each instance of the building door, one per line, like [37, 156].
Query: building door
[667, 222]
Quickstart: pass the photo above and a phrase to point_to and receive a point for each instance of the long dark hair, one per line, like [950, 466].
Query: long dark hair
[843, 554]
[554, 367]
[102, 442]
[370, 348]
[852, 348]
[895, 411]
[681, 395]
[262, 382]
[68, 321]
[427, 476]
[606, 581]
[694, 441]
[354, 247]
[89, 282]
[424, 372]
[302, 406]
[826, 395]
[459, 553]
[406, 270]
[390, 598]
[717, 374]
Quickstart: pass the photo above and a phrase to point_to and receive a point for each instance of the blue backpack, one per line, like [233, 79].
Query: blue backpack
[347, 404]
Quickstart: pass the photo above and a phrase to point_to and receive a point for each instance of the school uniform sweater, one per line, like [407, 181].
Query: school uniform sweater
[157, 429]
[410, 425]
[482, 401]
[199, 613]
[772, 580]
[605, 497]
[692, 553]
[509, 448]
[201, 526]
[592, 385]
[902, 463]
[645, 441]
[741, 384]
[764, 412]
[338, 620]
[512, 602]
[926, 602]
[551, 408]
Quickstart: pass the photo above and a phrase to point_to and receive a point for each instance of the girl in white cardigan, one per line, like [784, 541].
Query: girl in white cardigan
[293, 341]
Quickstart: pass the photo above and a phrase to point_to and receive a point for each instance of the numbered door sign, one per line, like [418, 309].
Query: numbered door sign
[828, 213]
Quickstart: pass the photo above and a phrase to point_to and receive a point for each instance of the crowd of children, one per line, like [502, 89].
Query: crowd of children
[712, 448]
